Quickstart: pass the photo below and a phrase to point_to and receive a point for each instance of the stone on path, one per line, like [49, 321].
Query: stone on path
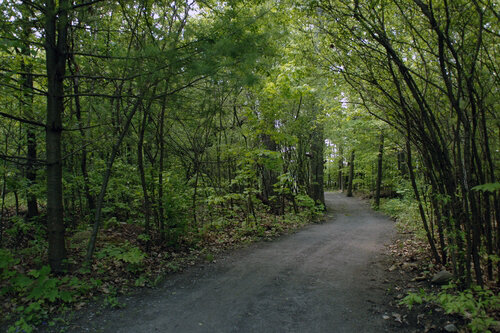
[442, 277]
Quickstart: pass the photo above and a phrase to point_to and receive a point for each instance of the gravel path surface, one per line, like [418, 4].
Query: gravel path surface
[329, 277]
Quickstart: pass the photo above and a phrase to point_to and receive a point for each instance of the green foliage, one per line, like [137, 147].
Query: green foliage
[113, 302]
[311, 210]
[413, 298]
[489, 187]
[472, 304]
[131, 255]
[405, 212]
[176, 206]
[35, 291]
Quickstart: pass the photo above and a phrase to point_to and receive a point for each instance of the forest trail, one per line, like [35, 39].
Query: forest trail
[328, 277]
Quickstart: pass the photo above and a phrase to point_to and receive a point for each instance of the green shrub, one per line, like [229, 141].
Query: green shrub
[34, 291]
[127, 253]
[472, 304]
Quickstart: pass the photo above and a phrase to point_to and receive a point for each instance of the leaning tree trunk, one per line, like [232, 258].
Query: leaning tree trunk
[105, 180]
[56, 26]
[430, 237]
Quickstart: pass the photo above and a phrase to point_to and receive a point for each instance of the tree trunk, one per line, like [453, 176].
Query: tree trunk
[269, 177]
[83, 161]
[379, 170]
[430, 237]
[31, 174]
[161, 218]
[317, 192]
[105, 180]
[351, 174]
[341, 167]
[4, 189]
[140, 162]
[56, 25]
[27, 105]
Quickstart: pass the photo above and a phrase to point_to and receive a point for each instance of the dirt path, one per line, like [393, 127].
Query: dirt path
[328, 277]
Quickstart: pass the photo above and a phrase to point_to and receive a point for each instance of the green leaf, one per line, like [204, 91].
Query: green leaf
[21, 281]
[488, 187]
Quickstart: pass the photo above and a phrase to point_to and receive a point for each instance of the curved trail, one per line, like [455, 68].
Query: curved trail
[325, 278]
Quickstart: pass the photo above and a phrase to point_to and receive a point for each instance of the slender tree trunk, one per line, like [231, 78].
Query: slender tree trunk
[31, 174]
[489, 218]
[83, 161]
[317, 166]
[56, 26]
[105, 180]
[161, 218]
[341, 167]
[140, 162]
[379, 170]
[430, 237]
[351, 174]
[269, 177]
[27, 107]
[4, 189]
[438, 216]
[27, 102]
[195, 192]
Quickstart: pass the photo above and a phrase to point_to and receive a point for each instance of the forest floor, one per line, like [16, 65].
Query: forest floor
[345, 274]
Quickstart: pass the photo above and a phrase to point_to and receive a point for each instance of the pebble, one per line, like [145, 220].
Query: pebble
[450, 328]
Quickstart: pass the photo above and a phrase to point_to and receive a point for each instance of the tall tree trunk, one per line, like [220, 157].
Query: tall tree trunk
[4, 189]
[269, 177]
[351, 174]
[56, 26]
[341, 167]
[317, 192]
[140, 163]
[31, 175]
[27, 107]
[161, 218]
[430, 237]
[83, 161]
[379, 170]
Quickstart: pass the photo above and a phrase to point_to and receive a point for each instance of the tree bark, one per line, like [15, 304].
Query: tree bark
[140, 163]
[317, 191]
[341, 167]
[27, 107]
[430, 237]
[4, 189]
[161, 218]
[56, 26]
[83, 161]
[351, 174]
[379, 170]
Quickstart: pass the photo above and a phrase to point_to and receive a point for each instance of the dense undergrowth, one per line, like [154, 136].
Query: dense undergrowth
[31, 296]
[478, 306]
